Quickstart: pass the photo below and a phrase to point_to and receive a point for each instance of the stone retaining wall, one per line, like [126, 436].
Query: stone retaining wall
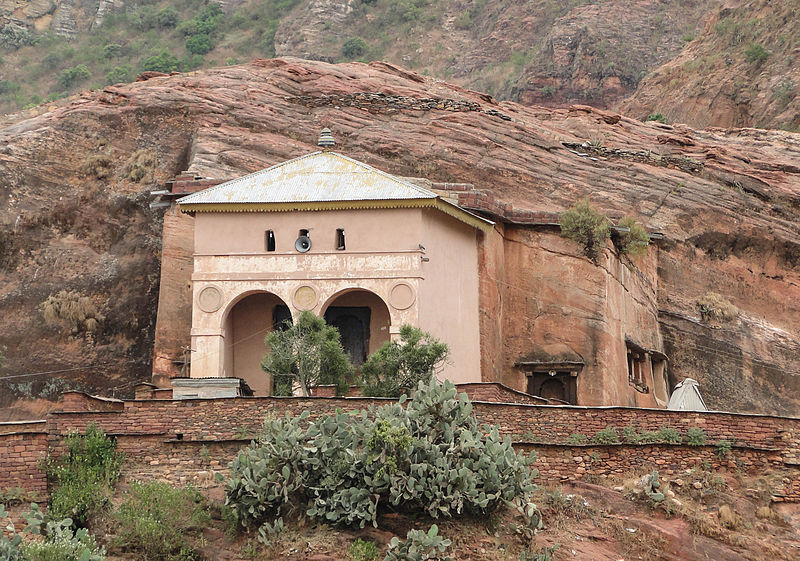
[186, 441]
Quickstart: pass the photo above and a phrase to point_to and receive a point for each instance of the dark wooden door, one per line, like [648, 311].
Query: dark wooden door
[353, 326]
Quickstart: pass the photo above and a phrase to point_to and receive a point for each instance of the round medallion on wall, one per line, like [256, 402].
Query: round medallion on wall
[305, 298]
[210, 299]
[402, 296]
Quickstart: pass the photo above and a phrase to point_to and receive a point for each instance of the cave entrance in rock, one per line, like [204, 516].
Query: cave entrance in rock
[246, 325]
[362, 319]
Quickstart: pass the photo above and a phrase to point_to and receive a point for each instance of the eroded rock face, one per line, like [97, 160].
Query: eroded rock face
[727, 201]
[739, 72]
[597, 53]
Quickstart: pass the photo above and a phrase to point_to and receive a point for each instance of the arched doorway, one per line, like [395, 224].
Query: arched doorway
[362, 319]
[246, 325]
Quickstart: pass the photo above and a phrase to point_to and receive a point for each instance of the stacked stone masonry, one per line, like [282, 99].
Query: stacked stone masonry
[187, 441]
[20, 456]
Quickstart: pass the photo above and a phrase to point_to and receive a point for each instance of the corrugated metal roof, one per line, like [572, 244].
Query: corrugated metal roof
[315, 177]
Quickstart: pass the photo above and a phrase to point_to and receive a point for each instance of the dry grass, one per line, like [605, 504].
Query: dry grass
[141, 165]
[73, 309]
[97, 165]
[716, 308]
[560, 510]
[638, 543]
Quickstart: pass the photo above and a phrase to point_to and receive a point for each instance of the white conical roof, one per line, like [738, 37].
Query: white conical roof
[686, 397]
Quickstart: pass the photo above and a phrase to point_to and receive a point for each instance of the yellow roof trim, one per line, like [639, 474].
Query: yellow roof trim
[311, 205]
[468, 218]
[448, 208]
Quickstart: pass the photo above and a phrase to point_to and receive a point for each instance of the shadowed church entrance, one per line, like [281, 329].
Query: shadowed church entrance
[362, 319]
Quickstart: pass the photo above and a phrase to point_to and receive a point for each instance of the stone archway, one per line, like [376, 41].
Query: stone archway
[362, 319]
[246, 324]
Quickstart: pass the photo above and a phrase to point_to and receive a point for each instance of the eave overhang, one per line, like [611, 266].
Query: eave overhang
[448, 208]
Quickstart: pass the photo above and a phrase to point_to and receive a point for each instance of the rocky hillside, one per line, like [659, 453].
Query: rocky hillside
[742, 71]
[679, 57]
[79, 247]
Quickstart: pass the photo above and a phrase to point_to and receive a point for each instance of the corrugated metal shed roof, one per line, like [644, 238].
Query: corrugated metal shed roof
[315, 177]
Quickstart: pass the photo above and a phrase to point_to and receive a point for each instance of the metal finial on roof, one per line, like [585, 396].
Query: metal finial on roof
[326, 138]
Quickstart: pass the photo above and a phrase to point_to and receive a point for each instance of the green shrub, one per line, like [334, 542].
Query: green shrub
[723, 449]
[633, 242]
[74, 75]
[118, 74]
[608, 435]
[199, 44]
[587, 227]
[354, 47]
[84, 476]
[577, 439]
[756, 53]
[669, 435]
[399, 366]
[428, 455]
[308, 353]
[361, 550]
[204, 23]
[419, 545]
[7, 86]
[658, 117]
[695, 436]
[155, 521]
[631, 435]
[112, 50]
[167, 17]
[162, 62]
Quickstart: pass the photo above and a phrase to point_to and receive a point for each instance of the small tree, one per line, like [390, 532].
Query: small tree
[586, 226]
[308, 353]
[634, 242]
[354, 47]
[398, 367]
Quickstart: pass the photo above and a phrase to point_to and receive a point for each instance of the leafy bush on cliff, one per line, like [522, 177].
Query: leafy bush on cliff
[399, 366]
[756, 53]
[428, 455]
[354, 47]
[84, 476]
[587, 227]
[635, 241]
[308, 353]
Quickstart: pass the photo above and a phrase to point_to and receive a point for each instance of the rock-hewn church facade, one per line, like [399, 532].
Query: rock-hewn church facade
[370, 252]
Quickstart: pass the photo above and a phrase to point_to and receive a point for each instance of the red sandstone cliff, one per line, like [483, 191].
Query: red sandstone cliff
[76, 181]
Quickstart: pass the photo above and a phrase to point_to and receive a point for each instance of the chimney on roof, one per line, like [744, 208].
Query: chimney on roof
[326, 140]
